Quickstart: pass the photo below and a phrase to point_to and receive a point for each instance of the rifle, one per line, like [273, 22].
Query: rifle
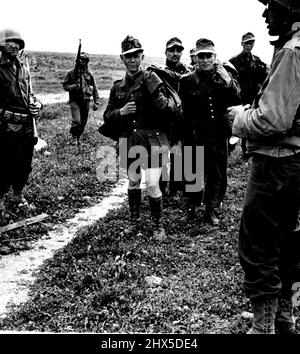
[32, 99]
[78, 74]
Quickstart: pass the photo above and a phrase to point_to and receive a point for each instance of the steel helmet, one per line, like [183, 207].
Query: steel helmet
[292, 5]
[8, 34]
[84, 55]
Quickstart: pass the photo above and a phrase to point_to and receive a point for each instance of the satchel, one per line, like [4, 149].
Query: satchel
[109, 130]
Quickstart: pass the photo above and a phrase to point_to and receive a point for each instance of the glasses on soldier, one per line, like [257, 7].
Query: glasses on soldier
[175, 47]
[205, 55]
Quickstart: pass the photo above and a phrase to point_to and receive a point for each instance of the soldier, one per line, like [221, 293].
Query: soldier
[193, 60]
[136, 108]
[174, 69]
[80, 95]
[18, 109]
[252, 73]
[206, 93]
[269, 237]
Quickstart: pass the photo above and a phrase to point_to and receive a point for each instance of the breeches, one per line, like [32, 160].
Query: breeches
[269, 239]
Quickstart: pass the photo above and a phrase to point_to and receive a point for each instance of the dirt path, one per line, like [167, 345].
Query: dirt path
[18, 271]
[50, 98]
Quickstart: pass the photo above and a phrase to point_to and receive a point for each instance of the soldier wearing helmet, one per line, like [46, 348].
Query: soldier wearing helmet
[80, 95]
[17, 109]
[269, 238]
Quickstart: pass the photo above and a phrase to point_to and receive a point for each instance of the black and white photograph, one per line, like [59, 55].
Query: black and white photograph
[150, 170]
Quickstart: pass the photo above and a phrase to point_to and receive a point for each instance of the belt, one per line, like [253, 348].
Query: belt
[16, 117]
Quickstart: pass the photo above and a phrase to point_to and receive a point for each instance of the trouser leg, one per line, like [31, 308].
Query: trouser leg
[76, 119]
[23, 167]
[268, 246]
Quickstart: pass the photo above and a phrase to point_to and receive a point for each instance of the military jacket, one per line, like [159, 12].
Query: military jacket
[14, 85]
[89, 86]
[146, 89]
[205, 99]
[252, 72]
[15, 118]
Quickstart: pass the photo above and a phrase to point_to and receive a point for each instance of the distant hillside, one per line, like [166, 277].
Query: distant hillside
[49, 69]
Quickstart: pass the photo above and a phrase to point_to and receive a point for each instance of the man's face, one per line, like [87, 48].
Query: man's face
[205, 61]
[248, 46]
[174, 54]
[277, 19]
[11, 49]
[83, 61]
[132, 61]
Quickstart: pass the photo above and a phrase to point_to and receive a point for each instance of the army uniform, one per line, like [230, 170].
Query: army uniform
[205, 98]
[269, 237]
[252, 73]
[17, 136]
[141, 132]
[79, 98]
[174, 72]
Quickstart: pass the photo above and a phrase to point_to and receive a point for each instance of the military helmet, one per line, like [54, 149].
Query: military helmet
[8, 34]
[85, 56]
[292, 5]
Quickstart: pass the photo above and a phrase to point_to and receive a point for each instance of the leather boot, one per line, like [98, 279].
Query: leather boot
[285, 322]
[264, 312]
[210, 216]
[190, 214]
[156, 211]
[134, 201]
[18, 197]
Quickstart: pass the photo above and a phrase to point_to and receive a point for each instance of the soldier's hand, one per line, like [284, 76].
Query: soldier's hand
[95, 106]
[222, 72]
[129, 108]
[35, 107]
[236, 111]
[74, 87]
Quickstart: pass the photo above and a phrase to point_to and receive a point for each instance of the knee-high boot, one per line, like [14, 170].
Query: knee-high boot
[134, 201]
[156, 213]
[285, 322]
[264, 312]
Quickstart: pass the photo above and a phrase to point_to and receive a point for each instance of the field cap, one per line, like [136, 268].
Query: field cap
[174, 41]
[204, 45]
[131, 45]
[192, 52]
[247, 37]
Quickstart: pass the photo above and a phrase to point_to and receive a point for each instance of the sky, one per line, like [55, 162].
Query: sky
[101, 25]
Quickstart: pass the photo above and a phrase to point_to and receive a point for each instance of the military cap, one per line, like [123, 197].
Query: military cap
[131, 45]
[174, 41]
[204, 45]
[248, 37]
[192, 52]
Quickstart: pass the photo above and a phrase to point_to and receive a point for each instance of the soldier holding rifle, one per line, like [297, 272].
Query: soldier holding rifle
[18, 108]
[81, 85]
